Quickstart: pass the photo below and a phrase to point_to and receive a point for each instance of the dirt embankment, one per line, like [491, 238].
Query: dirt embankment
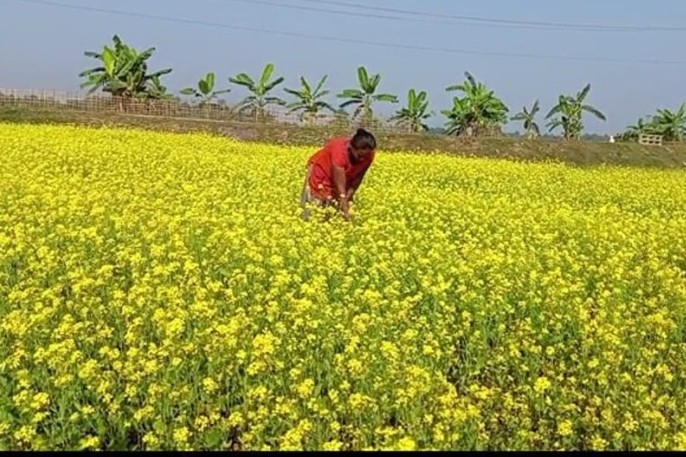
[578, 153]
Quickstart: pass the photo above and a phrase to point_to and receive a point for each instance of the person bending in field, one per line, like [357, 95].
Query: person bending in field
[335, 172]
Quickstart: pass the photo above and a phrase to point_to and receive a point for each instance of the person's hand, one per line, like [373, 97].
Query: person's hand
[345, 209]
[351, 196]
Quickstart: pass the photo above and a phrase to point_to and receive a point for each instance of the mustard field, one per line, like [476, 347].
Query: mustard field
[161, 291]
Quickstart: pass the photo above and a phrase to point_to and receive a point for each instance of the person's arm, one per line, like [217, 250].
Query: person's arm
[355, 184]
[339, 184]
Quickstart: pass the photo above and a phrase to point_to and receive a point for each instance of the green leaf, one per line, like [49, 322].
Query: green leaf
[109, 60]
[594, 111]
[273, 84]
[91, 71]
[210, 81]
[203, 86]
[275, 101]
[243, 79]
[386, 98]
[554, 110]
[351, 93]
[117, 85]
[127, 68]
[187, 91]
[305, 85]
[349, 103]
[411, 97]
[145, 55]
[374, 83]
[295, 106]
[581, 96]
[214, 438]
[266, 74]
[157, 74]
[249, 99]
[327, 106]
[321, 84]
[293, 92]
[536, 108]
[362, 76]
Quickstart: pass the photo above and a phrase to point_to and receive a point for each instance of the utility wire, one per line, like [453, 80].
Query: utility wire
[561, 25]
[346, 40]
[468, 22]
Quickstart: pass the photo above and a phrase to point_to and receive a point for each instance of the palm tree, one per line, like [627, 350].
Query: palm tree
[205, 90]
[364, 97]
[671, 125]
[309, 102]
[259, 100]
[416, 111]
[528, 117]
[477, 111]
[124, 73]
[570, 110]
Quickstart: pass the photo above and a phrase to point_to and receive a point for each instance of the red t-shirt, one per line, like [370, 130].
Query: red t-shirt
[335, 152]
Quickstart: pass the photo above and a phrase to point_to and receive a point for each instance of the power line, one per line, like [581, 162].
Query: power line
[431, 20]
[345, 40]
[584, 27]
[341, 13]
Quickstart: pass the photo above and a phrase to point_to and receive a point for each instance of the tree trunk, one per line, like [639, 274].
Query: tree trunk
[311, 119]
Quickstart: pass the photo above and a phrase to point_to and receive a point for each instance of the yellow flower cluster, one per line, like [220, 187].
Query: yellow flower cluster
[161, 291]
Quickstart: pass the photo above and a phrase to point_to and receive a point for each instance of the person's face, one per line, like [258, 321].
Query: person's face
[358, 154]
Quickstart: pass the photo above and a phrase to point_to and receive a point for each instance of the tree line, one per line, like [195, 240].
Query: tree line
[123, 72]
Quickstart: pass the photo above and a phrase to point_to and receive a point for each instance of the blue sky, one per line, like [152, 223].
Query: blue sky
[41, 47]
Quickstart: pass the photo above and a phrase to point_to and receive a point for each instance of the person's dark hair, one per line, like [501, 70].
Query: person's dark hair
[363, 140]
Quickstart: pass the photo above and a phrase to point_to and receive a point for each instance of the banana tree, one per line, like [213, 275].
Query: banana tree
[124, 72]
[671, 125]
[416, 111]
[364, 97]
[459, 117]
[157, 90]
[642, 126]
[205, 90]
[259, 100]
[478, 110]
[308, 101]
[529, 119]
[570, 110]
